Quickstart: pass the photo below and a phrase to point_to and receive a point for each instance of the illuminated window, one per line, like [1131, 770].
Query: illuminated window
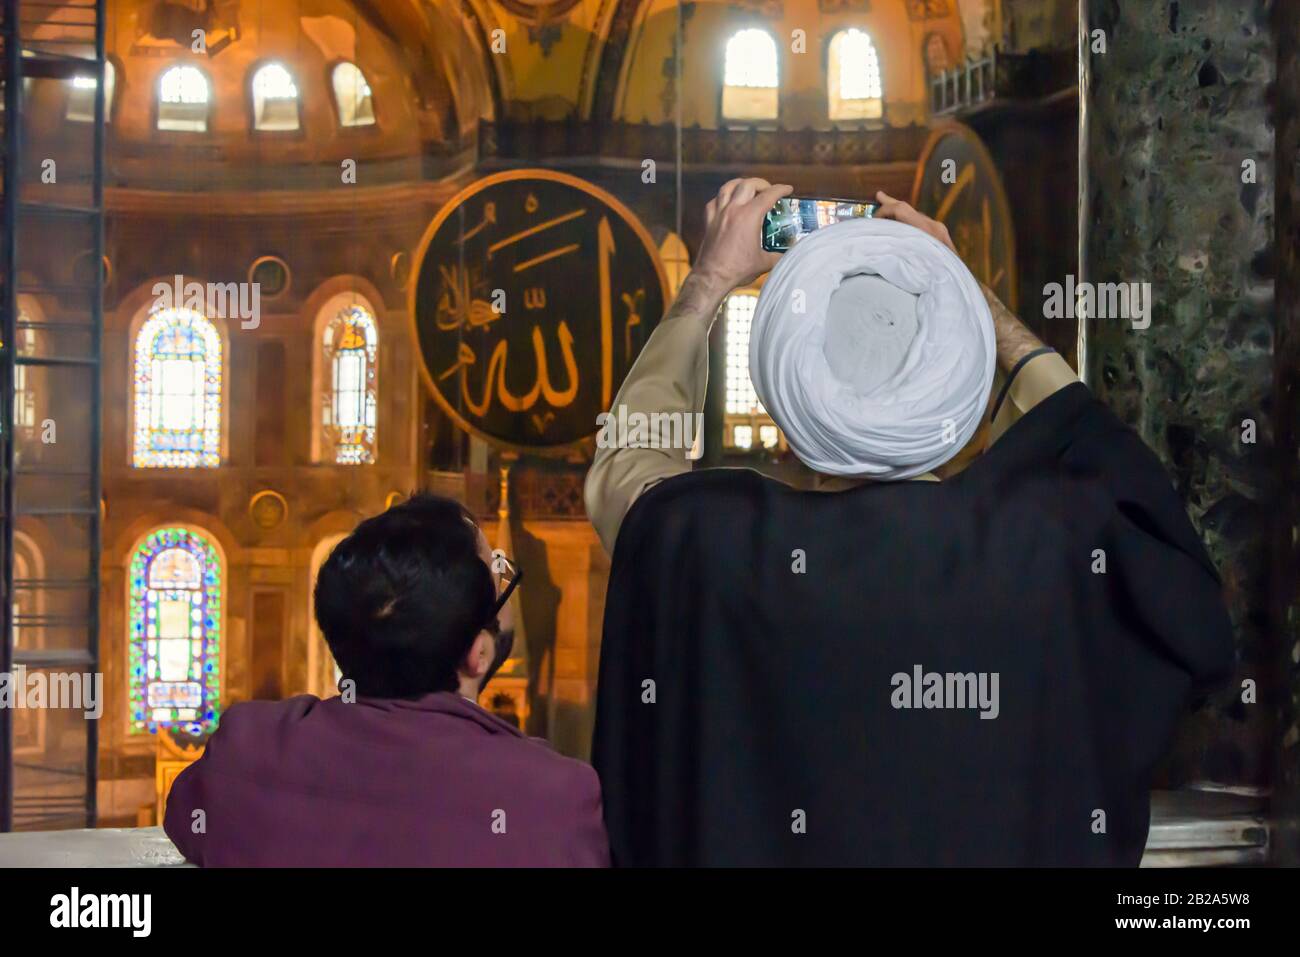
[352, 94]
[177, 391]
[350, 353]
[24, 394]
[744, 415]
[275, 99]
[174, 645]
[183, 100]
[81, 98]
[853, 77]
[749, 90]
[741, 398]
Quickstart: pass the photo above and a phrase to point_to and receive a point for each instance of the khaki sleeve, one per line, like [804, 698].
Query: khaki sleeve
[669, 376]
[1037, 379]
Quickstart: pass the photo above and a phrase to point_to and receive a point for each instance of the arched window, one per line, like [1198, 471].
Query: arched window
[183, 100]
[174, 642]
[747, 424]
[275, 99]
[853, 77]
[81, 98]
[749, 90]
[350, 365]
[177, 391]
[352, 94]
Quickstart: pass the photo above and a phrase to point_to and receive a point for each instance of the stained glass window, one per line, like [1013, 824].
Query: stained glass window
[183, 100]
[175, 633]
[350, 353]
[853, 77]
[177, 391]
[749, 90]
[352, 94]
[275, 99]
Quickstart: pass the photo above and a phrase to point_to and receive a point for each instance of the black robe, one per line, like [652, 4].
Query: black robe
[747, 711]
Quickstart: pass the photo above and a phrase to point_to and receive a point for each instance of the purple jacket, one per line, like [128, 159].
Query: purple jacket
[436, 781]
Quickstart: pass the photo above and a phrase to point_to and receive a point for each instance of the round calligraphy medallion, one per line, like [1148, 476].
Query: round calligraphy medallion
[534, 292]
[958, 184]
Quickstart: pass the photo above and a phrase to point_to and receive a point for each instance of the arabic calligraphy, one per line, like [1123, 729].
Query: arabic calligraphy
[972, 205]
[457, 306]
[496, 372]
[520, 342]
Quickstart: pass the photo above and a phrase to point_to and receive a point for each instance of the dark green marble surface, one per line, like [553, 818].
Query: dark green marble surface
[1182, 96]
[1286, 389]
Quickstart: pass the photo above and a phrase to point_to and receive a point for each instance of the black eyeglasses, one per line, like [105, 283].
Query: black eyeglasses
[509, 574]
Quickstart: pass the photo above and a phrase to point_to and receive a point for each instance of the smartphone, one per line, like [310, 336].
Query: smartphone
[795, 217]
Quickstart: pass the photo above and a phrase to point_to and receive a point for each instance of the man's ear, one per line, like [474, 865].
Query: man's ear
[479, 657]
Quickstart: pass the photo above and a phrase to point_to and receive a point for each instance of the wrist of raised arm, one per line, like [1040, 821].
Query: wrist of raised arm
[701, 295]
[1014, 340]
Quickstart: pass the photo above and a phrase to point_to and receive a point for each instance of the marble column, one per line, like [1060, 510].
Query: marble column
[1286, 383]
[1177, 183]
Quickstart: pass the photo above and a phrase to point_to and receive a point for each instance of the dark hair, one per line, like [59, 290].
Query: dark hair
[401, 599]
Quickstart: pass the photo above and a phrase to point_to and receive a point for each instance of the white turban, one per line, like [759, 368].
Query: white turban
[872, 348]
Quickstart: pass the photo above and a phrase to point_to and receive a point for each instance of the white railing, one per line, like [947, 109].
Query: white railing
[964, 86]
[1195, 827]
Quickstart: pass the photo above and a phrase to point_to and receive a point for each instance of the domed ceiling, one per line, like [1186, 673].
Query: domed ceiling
[434, 69]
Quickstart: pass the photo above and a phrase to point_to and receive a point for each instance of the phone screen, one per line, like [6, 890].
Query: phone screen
[794, 217]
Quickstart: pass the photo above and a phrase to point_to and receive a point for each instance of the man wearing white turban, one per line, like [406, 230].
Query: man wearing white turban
[976, 666]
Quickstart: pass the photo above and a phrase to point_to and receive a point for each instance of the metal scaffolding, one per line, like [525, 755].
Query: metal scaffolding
[51, 177]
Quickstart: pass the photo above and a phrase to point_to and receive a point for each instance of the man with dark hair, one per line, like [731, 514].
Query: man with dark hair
[404, 768]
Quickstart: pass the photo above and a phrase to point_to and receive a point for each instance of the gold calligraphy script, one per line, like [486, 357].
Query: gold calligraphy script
[496, 371]
[459, 309]
[974, 241]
